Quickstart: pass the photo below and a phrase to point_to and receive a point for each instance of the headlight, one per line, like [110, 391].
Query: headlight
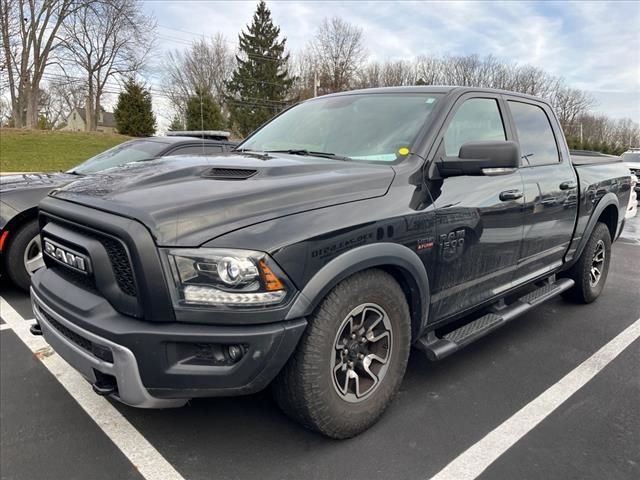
[235, 278]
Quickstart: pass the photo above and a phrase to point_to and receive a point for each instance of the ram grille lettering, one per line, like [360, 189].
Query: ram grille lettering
[65, 256]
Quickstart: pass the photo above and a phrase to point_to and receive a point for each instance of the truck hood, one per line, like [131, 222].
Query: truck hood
[187, 201]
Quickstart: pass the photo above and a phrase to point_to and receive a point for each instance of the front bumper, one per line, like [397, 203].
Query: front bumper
[144, 357]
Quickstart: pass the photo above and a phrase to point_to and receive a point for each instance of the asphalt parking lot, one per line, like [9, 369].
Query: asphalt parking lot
[497, 404]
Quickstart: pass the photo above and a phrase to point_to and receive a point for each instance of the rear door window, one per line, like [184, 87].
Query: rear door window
[537, 142]
[477, 119]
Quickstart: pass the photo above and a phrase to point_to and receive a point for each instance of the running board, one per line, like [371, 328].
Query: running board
[438, 348]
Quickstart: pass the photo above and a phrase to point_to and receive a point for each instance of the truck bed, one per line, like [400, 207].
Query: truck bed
[584, 157]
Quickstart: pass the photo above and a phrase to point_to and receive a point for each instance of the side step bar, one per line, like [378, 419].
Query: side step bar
[438, 348]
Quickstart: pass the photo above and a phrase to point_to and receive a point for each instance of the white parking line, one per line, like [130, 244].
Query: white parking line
[4, 326]
[149, 462]
[473, 461]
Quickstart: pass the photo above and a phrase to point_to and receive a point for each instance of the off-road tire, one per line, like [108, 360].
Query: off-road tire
[584, 291]
[305, 390]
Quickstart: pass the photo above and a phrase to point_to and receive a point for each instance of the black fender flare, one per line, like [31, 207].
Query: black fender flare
[362, 258]
[609, 199]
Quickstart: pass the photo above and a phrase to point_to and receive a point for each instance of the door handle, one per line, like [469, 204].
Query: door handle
[510, 195]
[569, 185]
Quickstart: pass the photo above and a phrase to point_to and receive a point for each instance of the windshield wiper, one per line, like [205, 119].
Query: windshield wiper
[309, 153]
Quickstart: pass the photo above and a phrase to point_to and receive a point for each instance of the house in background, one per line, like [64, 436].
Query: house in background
[77, 121]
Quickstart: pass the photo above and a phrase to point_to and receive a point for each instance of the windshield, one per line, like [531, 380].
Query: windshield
[631, 157]
[368, 127]
[131, 151]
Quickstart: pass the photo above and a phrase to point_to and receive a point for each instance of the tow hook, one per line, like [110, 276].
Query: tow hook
[104, 389]
[104, 385]
[36, 329]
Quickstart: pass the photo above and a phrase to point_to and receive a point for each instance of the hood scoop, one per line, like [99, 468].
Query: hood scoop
[222, 173]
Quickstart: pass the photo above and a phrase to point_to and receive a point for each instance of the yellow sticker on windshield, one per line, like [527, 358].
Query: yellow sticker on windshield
[403, 151]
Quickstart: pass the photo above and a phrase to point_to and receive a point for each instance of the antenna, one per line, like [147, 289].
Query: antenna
[202, 121]
[201, 107]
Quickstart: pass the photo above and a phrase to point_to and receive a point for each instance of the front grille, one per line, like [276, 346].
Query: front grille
[68, 333]
[121, 265]
[77, 278]
[117, 256]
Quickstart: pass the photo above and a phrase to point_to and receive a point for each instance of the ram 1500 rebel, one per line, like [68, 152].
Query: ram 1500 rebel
[346, 230]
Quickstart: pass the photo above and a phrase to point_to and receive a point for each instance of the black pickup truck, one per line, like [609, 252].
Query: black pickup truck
[346, 230]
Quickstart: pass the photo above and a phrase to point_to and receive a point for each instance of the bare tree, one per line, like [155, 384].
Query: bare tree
[30, 34]
[107, 40]
[338, 52]
[387, 74]
[60, 98]
[205, 66]
[303, 72]
[9, 41]
[429, 70]
[570, 103]
[398, 72]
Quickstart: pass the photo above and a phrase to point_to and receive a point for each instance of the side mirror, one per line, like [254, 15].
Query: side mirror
[482, 158]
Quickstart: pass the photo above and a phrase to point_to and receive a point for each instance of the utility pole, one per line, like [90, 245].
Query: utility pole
[315, 83]
[580, 133]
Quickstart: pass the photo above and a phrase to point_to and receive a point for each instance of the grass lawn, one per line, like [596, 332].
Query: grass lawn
[47, 151]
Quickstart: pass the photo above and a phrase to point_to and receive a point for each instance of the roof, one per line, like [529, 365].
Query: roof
[211, 134]
[443, 89]
[184, 139]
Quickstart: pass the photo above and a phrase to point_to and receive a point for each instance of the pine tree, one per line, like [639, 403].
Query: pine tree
[133, 113]
[260, 83]
[203, 113]
[176, 124]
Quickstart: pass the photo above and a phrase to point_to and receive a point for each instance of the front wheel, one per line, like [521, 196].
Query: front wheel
[591, 270]
[24, 254]
[352, 358]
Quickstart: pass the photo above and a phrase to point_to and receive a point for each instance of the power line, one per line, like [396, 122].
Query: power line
[193, 41]
[74, 78]
[154, 90]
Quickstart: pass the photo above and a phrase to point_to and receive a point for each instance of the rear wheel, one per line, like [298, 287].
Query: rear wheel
[591, 269]
[24, 254]
[351, 360]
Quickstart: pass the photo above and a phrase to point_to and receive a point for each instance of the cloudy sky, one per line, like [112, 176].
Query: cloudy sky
[594, 45]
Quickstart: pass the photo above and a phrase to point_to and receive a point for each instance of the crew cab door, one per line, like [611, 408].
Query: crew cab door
[550, 188]
[478, 217]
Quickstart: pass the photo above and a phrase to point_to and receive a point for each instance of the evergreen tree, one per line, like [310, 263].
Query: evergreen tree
[133, 113]
[260, 83]
[176, 124]
[203, 113]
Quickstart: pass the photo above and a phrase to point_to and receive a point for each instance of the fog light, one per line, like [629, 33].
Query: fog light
[235, 352]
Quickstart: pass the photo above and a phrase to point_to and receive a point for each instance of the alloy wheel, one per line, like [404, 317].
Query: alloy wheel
[362, 351]
[33, 255]
[597, 263]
